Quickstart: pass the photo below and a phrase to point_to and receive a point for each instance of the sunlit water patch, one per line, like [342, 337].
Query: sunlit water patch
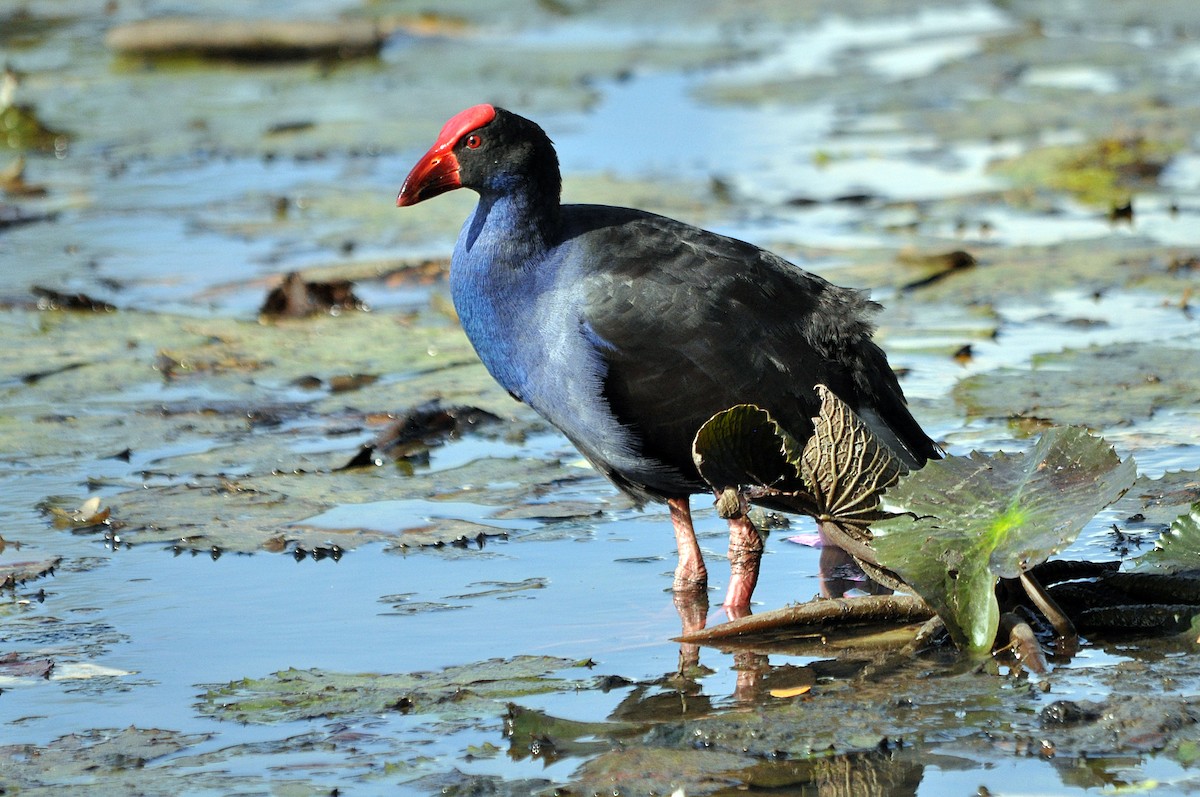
[901, 46]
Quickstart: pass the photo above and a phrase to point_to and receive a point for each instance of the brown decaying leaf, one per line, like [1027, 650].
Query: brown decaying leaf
[845, 465]
[15, 573]
[89, 513]
[297, 298]
[892, 609]
[247, 39]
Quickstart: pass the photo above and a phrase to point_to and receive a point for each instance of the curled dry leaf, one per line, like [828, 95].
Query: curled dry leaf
[845, 465]
[838, 473]
[89, 513]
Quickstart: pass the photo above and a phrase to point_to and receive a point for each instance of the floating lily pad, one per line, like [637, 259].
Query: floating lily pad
[468, 690]
[1096, 388]
[13, 573]
[1158, 502]
[254, 40]
[1178, 550]
[536, 734]
[129, 761]
[974, 519]
[641, 769]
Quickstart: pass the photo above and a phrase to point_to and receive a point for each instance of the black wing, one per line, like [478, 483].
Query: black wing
[691, 323]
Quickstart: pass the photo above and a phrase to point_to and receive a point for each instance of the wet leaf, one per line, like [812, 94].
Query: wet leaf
[840, 472]
[642, 769]
[536, 734]
[247, 40]
[13, 665]
[744, 445]
[129, 761]
[1178, 550]
[296, 297]
[978, 518]
[1097, 387]
[815, 617]
[48, 299]
[494, 588]
[844, 465]
[468, 690]
[795, 691]
[936, 267]
[1157, 502]
[89, 513]
[550, 510]
[422, 427]
[13, 573]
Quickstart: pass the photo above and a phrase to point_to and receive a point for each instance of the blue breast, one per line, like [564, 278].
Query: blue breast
[522, 309]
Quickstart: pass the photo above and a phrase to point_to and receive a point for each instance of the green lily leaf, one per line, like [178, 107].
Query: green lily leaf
[972, 520]
[744, 445]
[1178, 550]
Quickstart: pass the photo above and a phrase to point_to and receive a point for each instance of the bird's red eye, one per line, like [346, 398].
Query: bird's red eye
[473, 141]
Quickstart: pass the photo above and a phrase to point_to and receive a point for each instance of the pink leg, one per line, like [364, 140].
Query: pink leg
[745, 555]
[690, 574]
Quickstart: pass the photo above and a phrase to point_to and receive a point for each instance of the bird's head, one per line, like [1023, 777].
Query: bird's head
[487, 149]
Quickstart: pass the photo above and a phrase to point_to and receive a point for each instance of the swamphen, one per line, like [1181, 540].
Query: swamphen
[628, 330]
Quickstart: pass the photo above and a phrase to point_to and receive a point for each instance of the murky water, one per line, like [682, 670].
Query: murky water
[844, 136]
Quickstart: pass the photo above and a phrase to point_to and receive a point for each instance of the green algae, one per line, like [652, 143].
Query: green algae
[1107, 173]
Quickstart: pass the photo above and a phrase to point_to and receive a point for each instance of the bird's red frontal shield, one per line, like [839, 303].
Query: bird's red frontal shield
[437, 170]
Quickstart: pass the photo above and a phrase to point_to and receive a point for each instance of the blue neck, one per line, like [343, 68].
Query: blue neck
[515, 226]
[502, 265]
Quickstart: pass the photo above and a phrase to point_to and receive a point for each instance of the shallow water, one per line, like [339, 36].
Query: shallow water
[820, 131]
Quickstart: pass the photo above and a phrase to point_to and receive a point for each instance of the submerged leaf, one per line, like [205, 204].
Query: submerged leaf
[975, 519]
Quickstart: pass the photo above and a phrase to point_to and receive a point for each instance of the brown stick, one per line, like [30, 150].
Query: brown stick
[840, 611]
